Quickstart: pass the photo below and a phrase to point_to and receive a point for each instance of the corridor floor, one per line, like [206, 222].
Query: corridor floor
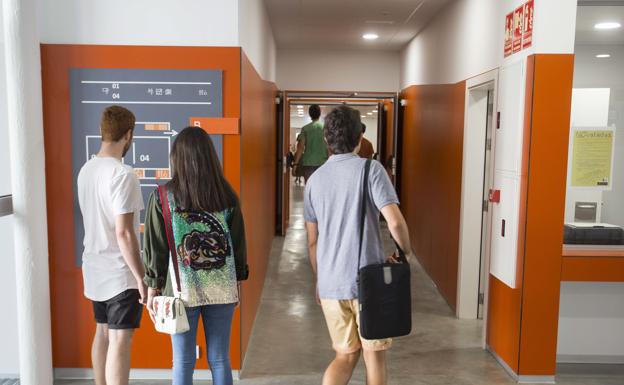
[290, 344]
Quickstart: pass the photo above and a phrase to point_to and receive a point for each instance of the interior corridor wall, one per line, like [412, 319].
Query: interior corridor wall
[255, 36]
[465, 40]
[258, 169]
[9, 362]
[333, 70]
[431, 165]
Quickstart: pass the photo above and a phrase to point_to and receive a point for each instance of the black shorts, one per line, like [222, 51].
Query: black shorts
[123, 311]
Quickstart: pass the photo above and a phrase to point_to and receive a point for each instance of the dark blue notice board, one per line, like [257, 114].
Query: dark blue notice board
[162, 101]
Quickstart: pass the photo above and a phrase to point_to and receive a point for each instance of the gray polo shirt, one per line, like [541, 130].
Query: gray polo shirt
[332, 200]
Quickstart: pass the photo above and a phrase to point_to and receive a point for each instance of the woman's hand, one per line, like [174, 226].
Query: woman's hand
[151, 293]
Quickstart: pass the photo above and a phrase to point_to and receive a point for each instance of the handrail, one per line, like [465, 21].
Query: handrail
[6, 205]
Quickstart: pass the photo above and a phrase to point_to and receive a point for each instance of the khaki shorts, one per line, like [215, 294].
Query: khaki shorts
[343, 319]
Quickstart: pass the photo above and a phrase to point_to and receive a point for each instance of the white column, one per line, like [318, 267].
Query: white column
[25, 117]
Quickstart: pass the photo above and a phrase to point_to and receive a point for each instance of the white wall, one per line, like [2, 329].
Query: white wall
[9, 363]
[591, 315]
[256, 37]
[242, 23]
[467, 39]
[329, 70]
[139, 22]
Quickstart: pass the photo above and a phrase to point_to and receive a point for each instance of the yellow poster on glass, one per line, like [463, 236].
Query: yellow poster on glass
[592, 157]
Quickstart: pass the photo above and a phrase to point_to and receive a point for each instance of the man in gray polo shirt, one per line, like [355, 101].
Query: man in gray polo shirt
[332, 201]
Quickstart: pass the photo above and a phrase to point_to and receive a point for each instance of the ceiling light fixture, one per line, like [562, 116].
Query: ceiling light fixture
[375, 111]
[603, 56]
[363, 116]
[608, 25]
[369, 113]
[370, 36]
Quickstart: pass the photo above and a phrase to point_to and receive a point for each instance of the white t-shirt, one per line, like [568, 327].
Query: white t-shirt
[106, 188]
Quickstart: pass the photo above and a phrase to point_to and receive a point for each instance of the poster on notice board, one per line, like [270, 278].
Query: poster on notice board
[592, 157]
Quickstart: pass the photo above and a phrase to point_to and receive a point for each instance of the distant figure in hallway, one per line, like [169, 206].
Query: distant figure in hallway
[311, 147]
[209, 237]
[332, 201]
[366, 147]
[110, 201]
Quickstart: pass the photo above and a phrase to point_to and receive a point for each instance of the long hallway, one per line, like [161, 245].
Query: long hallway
[290, 344]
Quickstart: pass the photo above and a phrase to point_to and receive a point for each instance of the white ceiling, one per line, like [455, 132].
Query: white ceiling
[340, 24]
[588, 16]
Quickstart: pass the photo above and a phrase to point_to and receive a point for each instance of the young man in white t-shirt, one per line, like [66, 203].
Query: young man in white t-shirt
[110, 201]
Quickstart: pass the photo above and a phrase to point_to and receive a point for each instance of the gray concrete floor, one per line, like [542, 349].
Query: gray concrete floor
[290, 344]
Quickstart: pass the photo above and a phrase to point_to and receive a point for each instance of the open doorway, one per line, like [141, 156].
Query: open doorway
[477, 179]
[377, 113]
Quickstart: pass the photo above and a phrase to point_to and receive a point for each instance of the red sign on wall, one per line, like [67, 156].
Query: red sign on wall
[527, 24]
[508, 33]
[517, 29]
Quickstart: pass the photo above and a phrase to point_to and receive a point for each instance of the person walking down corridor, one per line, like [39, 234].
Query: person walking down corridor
[311, 147]
[332, 201]
[366, 147]
[110, 200]
[209, 240]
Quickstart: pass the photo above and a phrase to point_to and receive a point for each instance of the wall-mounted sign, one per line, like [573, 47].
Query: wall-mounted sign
[519, 28]
[527, 24]
[508, 33]
[592, 158]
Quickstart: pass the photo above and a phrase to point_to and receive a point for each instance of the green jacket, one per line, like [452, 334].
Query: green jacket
[156, 249]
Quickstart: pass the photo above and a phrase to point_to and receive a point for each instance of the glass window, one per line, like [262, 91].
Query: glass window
[595, 191]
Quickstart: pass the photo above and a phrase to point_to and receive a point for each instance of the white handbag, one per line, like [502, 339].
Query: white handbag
[169, 312]
[170, 315]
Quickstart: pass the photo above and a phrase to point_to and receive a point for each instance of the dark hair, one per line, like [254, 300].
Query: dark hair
[198, 183]
[115, 122]
[363, 128]
[342, 129]
[314, 111]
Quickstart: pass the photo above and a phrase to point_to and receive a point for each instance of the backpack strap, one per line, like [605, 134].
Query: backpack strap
[367, 166]
[166, 211]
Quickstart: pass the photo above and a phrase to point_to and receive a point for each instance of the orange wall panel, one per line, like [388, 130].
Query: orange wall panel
[72, 320]
[550, 127]
[258, 176]
[593, 269]
[522, 324]
[432, 145]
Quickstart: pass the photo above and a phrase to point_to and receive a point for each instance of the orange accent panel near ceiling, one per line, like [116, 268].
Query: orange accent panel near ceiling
[217, 126]
[258, 148]
[548, 155]
[72, 320]
[431, 168]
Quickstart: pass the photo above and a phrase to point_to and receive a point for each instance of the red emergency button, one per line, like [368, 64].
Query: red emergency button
[495, 196]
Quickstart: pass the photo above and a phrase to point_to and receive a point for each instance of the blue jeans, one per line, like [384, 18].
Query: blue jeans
[217, 320]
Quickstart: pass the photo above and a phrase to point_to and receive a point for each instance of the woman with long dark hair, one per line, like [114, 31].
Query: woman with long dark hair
[209, 237]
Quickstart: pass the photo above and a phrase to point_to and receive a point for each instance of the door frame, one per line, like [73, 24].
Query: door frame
[306, 97]
[471, 226]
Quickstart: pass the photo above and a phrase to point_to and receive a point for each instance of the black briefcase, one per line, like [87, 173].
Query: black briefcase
[384, 290]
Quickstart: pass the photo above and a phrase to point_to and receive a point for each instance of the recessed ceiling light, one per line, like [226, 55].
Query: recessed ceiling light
[363, 116]
[603, 56]
[369, 113]
[370, 36]
[375, 111]
[300, 107]
[608, 25]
